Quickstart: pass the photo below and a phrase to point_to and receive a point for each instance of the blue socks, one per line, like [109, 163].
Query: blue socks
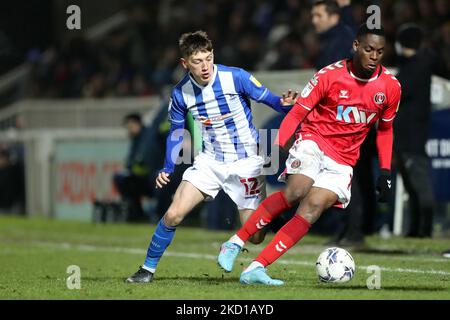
[160, 241]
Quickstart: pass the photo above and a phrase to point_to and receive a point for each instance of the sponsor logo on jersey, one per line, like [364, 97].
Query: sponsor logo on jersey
[256, 82]
[359, 116]
[379, 98]
[343, 94]
[208, 122]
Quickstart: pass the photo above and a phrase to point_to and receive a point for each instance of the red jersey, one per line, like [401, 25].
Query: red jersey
[342, 109]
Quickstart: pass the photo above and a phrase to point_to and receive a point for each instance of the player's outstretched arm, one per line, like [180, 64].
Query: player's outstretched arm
[173, 145]
[385, 138]
[252, 88]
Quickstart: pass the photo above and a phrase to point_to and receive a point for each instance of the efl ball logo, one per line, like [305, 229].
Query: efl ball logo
[379, 98]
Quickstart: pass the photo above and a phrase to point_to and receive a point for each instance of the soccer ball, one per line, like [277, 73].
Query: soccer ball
[335, 265]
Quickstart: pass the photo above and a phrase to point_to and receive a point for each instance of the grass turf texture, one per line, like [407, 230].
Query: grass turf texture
[35, 254]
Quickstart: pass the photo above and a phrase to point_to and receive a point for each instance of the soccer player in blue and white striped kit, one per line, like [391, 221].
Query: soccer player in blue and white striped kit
[219, 98]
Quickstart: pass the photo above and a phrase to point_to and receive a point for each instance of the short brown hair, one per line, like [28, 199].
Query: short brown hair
[193, 42]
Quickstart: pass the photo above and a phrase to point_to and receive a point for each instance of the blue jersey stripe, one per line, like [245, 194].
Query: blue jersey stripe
[200, 104]
[249, 116]
[229, 123]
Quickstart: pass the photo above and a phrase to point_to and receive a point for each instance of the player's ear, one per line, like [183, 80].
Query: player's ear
[355, 45]
[184, 63]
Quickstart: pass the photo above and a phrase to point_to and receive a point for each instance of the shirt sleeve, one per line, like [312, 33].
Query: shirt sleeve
[310, 96]
[385, 136]
[173, 146]
[177, 117]
[255, 90]
[391, 109]
[177, 110]
[314, 91]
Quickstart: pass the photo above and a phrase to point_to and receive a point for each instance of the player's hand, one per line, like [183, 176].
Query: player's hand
[384, 185]
[162, 179]
[289, 98]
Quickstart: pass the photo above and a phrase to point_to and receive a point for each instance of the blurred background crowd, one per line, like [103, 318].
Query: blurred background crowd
[140, 57]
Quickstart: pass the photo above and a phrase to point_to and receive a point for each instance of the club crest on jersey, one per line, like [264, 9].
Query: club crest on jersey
[379, 98]
[295, 164]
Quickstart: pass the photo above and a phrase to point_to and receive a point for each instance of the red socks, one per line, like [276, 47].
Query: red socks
[269, 209]
[284, 239]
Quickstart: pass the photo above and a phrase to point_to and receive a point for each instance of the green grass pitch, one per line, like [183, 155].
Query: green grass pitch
[35, 255]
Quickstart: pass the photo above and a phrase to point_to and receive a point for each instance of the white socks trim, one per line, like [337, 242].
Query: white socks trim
[236, 240]
[254, 265]
[152, 270]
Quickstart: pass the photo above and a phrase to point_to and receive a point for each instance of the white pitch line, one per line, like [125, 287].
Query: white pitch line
[84, 247]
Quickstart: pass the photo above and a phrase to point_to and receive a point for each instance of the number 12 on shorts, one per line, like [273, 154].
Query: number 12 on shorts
[251, 186]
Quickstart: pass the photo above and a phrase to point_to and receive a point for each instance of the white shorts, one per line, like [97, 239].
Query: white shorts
[241, 180]
[305, 157]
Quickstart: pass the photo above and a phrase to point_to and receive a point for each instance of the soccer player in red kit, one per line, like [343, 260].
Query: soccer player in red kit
[335, 112]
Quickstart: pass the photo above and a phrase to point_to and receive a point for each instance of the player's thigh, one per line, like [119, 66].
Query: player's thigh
[206, 175]
[303, 165]
[336, 178]
[297, 187]
[315, 202]
[185, 199]
[245, 185]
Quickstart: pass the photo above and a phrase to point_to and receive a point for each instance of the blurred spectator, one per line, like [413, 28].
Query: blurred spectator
[336, 28]
[135, 181]
[139, 57]
[416, 66]
[12, 184]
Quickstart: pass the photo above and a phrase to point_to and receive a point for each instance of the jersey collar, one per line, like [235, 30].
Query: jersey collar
[376, 73]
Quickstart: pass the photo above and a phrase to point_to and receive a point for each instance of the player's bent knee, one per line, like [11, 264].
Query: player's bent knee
[172, 218]
[293, 195]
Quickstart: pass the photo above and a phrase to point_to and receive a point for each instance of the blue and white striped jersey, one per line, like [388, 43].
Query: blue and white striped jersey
[223, 108]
